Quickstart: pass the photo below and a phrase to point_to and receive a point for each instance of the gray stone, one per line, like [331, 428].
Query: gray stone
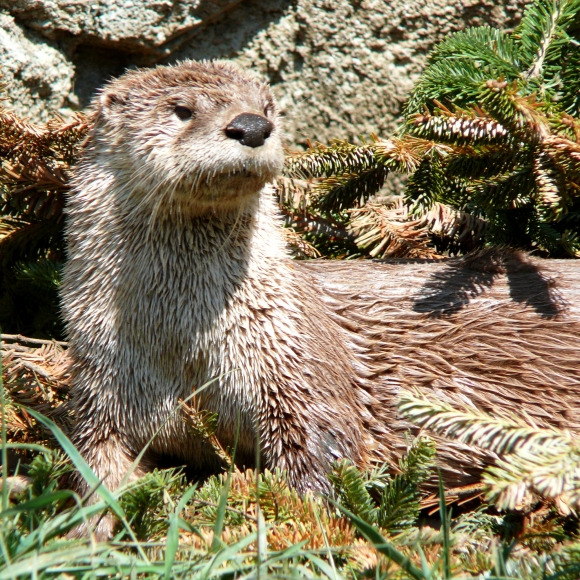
[37, 78]
[130, 25]
[339, 69]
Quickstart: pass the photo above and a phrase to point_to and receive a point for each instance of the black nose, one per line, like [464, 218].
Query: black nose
[249, 129]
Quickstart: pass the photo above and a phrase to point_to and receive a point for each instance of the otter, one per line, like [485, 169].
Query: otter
[178, 280]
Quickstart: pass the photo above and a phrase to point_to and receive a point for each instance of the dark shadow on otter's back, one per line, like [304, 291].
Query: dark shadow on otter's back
[450, 290]
[530, 287]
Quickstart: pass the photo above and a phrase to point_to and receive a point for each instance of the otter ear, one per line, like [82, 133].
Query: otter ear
[111, 100]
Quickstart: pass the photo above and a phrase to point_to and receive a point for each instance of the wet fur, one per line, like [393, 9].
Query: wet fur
[178, 275]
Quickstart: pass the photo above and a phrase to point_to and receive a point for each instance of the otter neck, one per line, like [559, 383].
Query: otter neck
[239, 243]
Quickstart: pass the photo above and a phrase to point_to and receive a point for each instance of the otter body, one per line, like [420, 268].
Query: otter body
[178, 279]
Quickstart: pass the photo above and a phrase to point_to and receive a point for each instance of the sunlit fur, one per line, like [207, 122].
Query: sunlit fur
[178, 275]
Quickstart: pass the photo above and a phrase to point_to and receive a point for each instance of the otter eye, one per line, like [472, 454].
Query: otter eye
[268, 109]
[183, 113]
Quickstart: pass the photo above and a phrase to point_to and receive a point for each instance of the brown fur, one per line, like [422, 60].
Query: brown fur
[497, 331]
[178, 275]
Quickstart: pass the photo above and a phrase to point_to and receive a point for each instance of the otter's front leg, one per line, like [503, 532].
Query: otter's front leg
[112, 458]
[307, 442]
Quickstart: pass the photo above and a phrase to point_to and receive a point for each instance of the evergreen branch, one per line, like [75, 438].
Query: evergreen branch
[340, 157]
[400, 505]
[352, 489]
[27, 145]
[565, 69]
[43, 273]
[203, 425]
[427, 184]
[294, 193]
[401, 497]
[401, 154]
[460, 64]
[28, 241]
[483, 163]
[549, 187]
[462, 129]
[35, 164]
[500, 102]
[552, 471]
[541, 460]
[565, 153]
[14, 130]
[543, 25]
[390, 230]
[300, 247]
[488, 48]
[34, 175]
[520, 114]
[498, 434]
[308, 223]
[455, 227]
[553, 12]
[340, 192]
[386, 232]
[506, 191]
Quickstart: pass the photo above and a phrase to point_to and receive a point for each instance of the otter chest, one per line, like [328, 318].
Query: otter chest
[190, 319]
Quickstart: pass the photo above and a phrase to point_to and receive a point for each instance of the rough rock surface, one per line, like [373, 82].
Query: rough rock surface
[129, 25]
[36, 78]
[339, 69]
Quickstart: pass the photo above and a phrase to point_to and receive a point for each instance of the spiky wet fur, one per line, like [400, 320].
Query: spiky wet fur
[168, 287]
[178, 276]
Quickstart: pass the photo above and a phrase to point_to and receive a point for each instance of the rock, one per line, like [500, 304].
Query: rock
[339, 69]
[37, 77]
[131, 25]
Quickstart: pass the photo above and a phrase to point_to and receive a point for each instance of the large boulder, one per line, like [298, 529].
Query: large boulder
[339, 69]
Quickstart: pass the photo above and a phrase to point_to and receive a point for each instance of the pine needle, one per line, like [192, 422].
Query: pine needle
[545, 461]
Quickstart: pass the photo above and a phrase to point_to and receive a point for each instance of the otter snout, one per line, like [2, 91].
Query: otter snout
[250, 129]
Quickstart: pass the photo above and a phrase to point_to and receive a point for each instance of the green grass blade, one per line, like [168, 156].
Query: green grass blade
[327, 546]
[262, 552]
[228, 553]
[81, 465]
[382, 545]
[88, 474]
[38, 562]
[324, 567]
[220, 515]
[27, 446]
[4, 442]
[427, 572]
[172, 543]
[445, 529]
[38, 502]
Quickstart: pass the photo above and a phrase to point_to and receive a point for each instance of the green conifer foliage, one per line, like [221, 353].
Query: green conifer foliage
[491, 130]
[34, 164]
[506, 105]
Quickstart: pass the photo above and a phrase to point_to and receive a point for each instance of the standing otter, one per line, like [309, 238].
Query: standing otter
[178, 275]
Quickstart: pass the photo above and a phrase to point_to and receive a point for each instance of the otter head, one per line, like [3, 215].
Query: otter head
[202, 134]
